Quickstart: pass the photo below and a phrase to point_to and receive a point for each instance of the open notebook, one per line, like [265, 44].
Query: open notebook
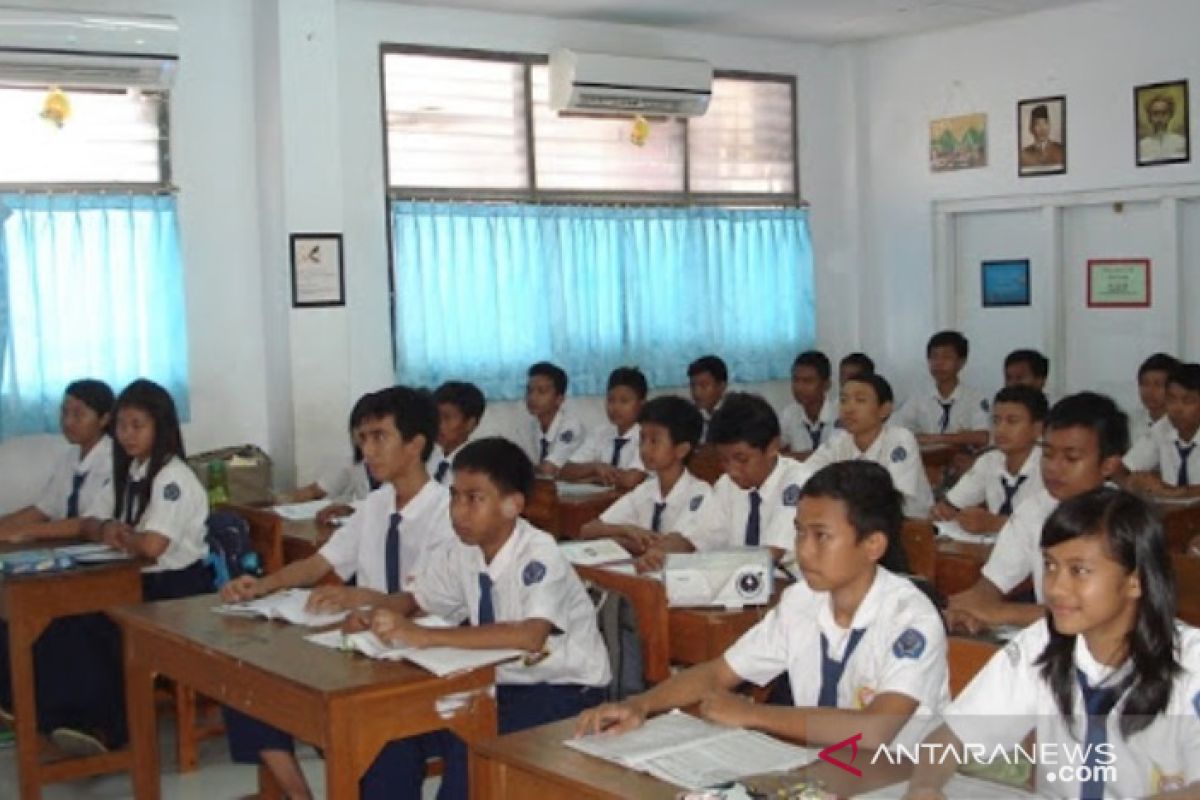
[287, 605]
[441, 661]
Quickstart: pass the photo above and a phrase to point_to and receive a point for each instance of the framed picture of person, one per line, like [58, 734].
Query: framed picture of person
[1042, 136]
[1160, 117]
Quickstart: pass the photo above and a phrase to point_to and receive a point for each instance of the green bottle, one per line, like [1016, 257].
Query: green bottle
[218, 483]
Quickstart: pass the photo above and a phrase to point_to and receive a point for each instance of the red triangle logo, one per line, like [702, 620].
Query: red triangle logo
[825, 755]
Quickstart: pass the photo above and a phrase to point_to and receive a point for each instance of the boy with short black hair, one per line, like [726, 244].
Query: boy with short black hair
[554, 432]
[1166, 462]
[1152, 392]
[708, 378]
[609, 456]
[509, 581]
[1086, 435]
[754, 502]
[460, 408]
[1026, 368]
[948, 411]
[1002, 478]
[808, 423]
[854, 364]
[863, 648]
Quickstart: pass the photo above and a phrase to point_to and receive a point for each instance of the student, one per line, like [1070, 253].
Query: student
[79, 475]
[1086, 434]
[610, 454]
[1165, 462]
[863, 648]
[460, 407]
[399, 530]
[554, 432]
[949, 411]
[511, 583]
[754, 502]
[809, 422]
[345, 484]
[708, 378]
[866, 434]
[1026, 368]
[854, 364]
[1108, 670]
[1002, 478]
[1152, 392]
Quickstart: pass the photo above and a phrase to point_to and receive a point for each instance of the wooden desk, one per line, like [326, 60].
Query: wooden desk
[1187, 583]
[29, 603]
[958, 564]
[564, 515]
[346, 704]
[1180, 523]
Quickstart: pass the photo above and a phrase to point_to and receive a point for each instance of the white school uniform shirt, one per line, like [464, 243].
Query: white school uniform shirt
[721, 520]
[96, 469]
[982, 482]
[797, 429]
[360, 546]
[1017, 553]
[895, 449]
[707, 416]
[598, 447]
[636, 507]
[1140, 422]
[922, 413]
[1156, 451]
[903, 650]
[177, 509]
[531, 579]
[435, 461]
[1008, 698]
[566, 434]
[347, 483]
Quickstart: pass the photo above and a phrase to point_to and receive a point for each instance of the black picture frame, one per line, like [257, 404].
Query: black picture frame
[318, 270]
[1005, 283]
[1174, 144]
[1049, 157]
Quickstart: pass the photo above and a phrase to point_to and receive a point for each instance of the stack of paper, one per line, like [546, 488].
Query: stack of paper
[441, 661]
[288, 605]
[689, 752]
[591, 552]
[92, 553]
[952, 530]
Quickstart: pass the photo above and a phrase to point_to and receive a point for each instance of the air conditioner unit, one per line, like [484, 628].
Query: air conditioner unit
[621, 85]
[76, 48]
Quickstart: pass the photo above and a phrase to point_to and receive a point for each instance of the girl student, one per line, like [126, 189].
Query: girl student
[1109, 679]
[79, 475]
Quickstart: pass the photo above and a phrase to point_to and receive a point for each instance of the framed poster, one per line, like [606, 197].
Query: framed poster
[318, 278]
[1118, 283]
[958, 143]
[1005, 283]
[1042, 136]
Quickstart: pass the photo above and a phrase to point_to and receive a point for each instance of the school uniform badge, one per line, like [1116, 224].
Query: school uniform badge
[171, 492]
[791, 495]
[695, 502]
[533, 573]
[910, 644]
[566, 436]
[898, 455]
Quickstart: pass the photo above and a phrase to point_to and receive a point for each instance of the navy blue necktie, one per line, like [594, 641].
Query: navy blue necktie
[391, 555]
[73, 498]
[1184, 453]
[487, 613]
[545, 450]
[372, 484]
[441, 470]
[616, 456]
[814, 433]
[1010, 492]
[656, 520]
[133, 500]
[831, 671]
[753, 521]
[945, 422]
[1098, 702]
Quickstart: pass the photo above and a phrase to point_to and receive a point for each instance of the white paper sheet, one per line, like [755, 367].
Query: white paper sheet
[300, 511]
[952, 530]
[594, 551]
[287, 605]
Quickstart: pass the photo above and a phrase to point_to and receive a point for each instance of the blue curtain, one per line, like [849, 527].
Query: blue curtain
[484, 290]
[90, 286]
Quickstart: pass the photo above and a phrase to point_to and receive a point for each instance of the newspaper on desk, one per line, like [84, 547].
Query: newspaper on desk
[288, 605]
[952, 530]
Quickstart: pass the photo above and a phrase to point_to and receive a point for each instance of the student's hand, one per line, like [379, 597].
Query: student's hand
[629, 478]
[606, 474]
[116, 535]
[979, 520]
[1147, 482]
[651, 561]
[610, 718]
[637, 542]
[397, 630]
[725, 708]
[327, 514]
[357, 621]
[331, 599]
[242, 588]
[944, 512]
[961, 621]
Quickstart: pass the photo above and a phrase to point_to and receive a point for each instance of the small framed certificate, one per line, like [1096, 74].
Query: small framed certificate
[1005, 283]
[318, 277]
[1118, 283]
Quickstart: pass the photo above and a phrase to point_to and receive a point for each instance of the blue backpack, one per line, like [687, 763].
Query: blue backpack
[230, 552]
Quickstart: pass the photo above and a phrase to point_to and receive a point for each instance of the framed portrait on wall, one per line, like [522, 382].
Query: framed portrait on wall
[1160, 116]
[1042, 136]
[318, 278]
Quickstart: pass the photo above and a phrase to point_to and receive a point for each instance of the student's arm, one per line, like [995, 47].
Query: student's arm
[682, 689]
[656, 556]
[529, 635]
[977, 519]
[303, 494]
[976, 439]
[983, 606]
[57, 529]
[634, 539]
[933, 773]
[305, 572]
[587, 471]
[22, 518]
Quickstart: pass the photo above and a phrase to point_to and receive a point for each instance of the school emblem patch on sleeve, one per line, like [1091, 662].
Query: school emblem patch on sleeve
[533, 573]
[695, 502]
[910, 644]
[566, 436]
[171, 491]
[898, 455]
[791, 495]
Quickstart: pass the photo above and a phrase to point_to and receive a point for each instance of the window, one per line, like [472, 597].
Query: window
[520, 235]
[89, 253]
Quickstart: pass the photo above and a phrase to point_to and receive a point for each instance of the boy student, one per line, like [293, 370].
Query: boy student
[554, 431]
[1152, 391]
[1004, 477]
[948, 411]
[610, 454]
[863, 648]
[1086, 434]
[511, 583]
[1165, 462]
[707, 378]
[809, 422]
[394, 537]
[1026, 368]
[754, 502]
[460, 407]
[866, 435]
[854, 364]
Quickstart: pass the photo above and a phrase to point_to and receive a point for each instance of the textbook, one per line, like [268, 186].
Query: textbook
[441, 661]
[591, 552]
[300, 511]
[567, 489]
[952, 530]
[30, 562]
[287, 605]
[692, 753]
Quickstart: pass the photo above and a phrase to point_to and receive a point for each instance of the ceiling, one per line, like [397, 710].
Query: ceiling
[828, 21]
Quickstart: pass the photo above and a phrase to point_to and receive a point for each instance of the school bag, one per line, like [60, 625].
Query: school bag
[231, 553]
